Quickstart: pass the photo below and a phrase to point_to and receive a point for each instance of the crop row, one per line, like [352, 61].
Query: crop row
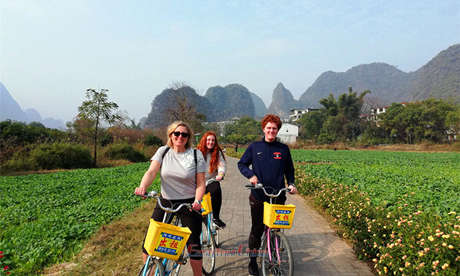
[46, 218]
[398, 209]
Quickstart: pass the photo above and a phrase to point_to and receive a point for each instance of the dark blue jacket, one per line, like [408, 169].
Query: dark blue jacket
[271, 162]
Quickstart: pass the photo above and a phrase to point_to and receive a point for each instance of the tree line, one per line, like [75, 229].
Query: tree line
[101, 132]
[342, 120]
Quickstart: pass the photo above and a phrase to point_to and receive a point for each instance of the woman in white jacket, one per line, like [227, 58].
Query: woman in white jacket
[215, 171]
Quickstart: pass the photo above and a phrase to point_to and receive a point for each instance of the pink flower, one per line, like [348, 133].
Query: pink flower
[6, 267]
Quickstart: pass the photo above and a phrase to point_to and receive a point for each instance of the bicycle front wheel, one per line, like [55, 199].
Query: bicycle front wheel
[208, 249]
[152, 267]
[277, 260]
[171, 267]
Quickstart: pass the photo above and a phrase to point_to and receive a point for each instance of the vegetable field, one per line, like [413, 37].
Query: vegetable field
[46, 218]
[399, 208]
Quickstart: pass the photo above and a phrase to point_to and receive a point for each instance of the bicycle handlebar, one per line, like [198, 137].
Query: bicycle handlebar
[154, 194]
[260, 186]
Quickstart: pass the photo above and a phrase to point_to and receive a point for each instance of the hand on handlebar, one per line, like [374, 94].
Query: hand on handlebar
[292, 189]
[140, 191]
[196, 206]
[254, 180]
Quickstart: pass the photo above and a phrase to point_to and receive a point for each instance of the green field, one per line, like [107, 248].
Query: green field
[399, 209]
[431, 180]
[45, 218]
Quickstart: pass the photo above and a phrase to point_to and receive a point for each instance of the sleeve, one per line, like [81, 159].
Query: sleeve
[201, 164]
[222, 166]
[290, 172]
[158, 156]
[245, 161]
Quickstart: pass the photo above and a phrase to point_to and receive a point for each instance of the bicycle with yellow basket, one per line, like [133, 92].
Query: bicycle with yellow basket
[209, 236]
[165, 242]
[276, 251]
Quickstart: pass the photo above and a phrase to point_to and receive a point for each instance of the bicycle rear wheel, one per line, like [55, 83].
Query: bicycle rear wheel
[208, 248]
[282, 265]
[152, 267]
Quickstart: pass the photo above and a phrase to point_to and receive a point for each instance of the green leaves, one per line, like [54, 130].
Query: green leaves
[46, 218]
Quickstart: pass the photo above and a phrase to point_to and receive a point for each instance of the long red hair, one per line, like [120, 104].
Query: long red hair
[214, 152]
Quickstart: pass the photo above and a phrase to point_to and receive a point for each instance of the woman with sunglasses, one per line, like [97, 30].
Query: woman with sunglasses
[215, 171]
[182, 181]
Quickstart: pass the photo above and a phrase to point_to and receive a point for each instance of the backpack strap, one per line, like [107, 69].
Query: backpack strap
[196, 165]
[164, 153]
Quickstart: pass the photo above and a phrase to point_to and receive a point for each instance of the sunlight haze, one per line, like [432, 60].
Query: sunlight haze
[52, 51]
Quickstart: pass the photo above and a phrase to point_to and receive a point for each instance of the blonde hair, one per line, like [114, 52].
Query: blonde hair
[172, 127]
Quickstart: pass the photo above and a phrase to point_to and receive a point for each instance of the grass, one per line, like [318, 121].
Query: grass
[113, 250]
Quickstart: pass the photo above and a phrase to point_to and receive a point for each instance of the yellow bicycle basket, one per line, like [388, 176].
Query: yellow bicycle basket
[278, 216]
[206, 204]
[166, 240]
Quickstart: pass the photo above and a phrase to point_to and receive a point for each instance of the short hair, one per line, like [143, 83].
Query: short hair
[172, 127]
[271, 118]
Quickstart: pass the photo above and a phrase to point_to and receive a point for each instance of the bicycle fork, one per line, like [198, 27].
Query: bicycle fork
[269, 242]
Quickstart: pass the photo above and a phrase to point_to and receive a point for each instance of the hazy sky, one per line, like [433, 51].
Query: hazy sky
[51, 51]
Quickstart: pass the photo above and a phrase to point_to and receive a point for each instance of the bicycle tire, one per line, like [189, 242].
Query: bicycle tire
[208, 249]
[277, 267]
[154, 268]
[215, 232]
[216, 238]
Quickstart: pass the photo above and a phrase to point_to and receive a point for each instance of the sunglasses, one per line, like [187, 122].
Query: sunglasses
[183, 134]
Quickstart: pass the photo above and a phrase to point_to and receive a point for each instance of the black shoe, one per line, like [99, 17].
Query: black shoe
[219, 223]
[253, 268]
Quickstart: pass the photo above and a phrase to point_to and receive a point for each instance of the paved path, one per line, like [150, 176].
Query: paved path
[317, 249]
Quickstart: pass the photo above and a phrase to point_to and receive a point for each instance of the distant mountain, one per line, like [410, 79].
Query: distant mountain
[218, 104]
[169, 100]
[386, 83]
[282, 101]
[11, 110]
[33, 115]
[233, 100]
[439, 78]
[259, 106]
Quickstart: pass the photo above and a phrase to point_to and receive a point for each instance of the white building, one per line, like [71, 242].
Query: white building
[288, 133]
[297, 113]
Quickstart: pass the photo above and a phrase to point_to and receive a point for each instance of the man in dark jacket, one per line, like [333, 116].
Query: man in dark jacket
[270, 163]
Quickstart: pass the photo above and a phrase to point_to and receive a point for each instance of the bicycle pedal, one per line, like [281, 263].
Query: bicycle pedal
[217, 227]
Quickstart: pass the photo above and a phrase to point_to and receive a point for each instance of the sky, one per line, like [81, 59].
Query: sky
[51, 51]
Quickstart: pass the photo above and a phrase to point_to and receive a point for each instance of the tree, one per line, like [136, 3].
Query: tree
[243, 131]
[185, 111]
[414, 122]
[311, 124]
[342, 117]
[98, 109]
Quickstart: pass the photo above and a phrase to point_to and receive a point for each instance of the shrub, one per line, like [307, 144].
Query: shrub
[152, 140]
[124, 151]
[65, 156]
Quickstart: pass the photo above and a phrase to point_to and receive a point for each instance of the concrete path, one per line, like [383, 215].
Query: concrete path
[316, 248]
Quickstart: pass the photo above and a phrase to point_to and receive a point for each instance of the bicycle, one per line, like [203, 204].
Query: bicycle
[209, 235]
[210, 217]
[155, 265]
[277, 253]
